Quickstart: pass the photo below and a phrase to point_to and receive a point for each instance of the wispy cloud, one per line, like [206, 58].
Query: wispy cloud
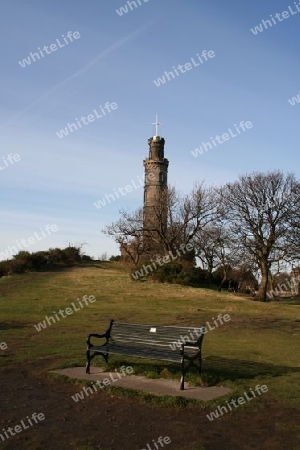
[130, 37]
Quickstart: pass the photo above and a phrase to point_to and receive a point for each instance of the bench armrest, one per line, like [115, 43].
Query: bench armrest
[88, 339]
[104, 335]
[197, 343]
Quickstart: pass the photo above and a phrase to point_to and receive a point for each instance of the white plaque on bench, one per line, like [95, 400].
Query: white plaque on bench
[152, 330]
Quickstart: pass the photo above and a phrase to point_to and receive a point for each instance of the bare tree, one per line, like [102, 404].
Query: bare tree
[294, 227]
[183, 217]
[213, 247]
[206, 249]
[260, 209]
[188, 214]
[128, 233]
[217, 248]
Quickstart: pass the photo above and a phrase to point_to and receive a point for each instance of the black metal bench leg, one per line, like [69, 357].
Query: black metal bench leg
[182, 374]
[87, 366]
[191, 363]
[182, 383]
[88, 361]
[89, 358]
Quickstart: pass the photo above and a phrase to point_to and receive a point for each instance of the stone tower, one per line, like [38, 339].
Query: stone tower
[295, 281]
[155, 189]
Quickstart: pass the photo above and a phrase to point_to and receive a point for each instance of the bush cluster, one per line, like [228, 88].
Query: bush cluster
[184, 273]
[43, 260]
[178, 273]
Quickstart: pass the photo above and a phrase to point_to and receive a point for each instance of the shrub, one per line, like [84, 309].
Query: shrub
[115, 258]
[86, 258]
[5, 268]
[39, 261]
[167, 273]
[170, 272]
[19, 266]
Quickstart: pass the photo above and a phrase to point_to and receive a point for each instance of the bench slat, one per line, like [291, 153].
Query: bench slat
[160, 333]
[158, 340]
[148, 353]
[161, 328]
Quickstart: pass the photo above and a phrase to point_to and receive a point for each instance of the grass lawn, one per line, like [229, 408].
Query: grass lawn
[259, 345]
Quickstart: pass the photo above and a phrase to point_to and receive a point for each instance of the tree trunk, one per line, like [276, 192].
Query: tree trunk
[263, 288]
[223, 281]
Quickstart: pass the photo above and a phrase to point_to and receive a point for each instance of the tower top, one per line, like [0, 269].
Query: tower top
[156, 123]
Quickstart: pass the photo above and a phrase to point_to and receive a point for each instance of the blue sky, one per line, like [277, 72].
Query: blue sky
[116, 59]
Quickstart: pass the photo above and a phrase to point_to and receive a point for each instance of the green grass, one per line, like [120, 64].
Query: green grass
[260, 345]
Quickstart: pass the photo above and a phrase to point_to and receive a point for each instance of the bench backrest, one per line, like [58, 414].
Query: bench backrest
[150, 335]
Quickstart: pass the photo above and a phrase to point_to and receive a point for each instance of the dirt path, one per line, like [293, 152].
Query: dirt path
[106, 422]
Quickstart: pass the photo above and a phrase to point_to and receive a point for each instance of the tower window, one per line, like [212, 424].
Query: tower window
[161, 177]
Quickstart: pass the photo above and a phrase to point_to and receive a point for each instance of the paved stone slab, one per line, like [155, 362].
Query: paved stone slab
[152, 386]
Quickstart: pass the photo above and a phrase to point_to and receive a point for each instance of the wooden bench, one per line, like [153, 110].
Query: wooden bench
[165, 343]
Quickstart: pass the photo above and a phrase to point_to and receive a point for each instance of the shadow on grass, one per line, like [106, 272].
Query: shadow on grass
[11, 326]
[217, 369]
[214, 369]
[287, 301]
